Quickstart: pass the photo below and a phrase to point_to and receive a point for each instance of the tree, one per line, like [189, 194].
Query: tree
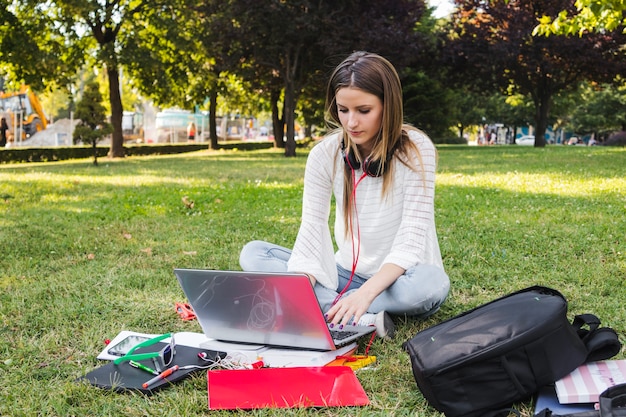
[285, 47]
[431, 106]
[590, 16]
[492, 44]
[94, 31]
[31, 53]
[165, 57]
[601, 111]
[93, 125]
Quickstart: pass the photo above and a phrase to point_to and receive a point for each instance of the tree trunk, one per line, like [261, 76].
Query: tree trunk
[95, 153]
[290, 143]
[541, 119]
[278, 123]
[212, 120]
[291, 69]
[117, 139]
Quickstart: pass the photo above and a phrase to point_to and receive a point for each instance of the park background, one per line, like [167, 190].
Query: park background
[508, 69]
[88, 251]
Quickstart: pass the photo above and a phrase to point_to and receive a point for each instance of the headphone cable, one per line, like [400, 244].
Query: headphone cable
[355, 252]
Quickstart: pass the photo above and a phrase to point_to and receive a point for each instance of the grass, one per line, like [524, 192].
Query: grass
[87, 252]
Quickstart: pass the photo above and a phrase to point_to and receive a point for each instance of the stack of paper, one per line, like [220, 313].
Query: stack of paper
[276, 357]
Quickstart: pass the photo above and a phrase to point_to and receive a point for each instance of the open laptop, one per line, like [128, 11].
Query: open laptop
[273, 309]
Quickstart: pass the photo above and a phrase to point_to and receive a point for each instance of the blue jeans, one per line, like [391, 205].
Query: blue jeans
[419, 292]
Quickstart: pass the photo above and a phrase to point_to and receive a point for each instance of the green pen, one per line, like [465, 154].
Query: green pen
[143, 367]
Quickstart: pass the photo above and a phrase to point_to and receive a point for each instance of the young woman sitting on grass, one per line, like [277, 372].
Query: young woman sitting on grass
[381, 173]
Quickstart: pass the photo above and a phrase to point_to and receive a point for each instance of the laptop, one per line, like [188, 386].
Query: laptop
[274, 309]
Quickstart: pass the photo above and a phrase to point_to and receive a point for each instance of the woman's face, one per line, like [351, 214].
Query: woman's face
[361, 116]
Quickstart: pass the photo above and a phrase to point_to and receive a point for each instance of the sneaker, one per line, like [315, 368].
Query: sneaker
[382, 321]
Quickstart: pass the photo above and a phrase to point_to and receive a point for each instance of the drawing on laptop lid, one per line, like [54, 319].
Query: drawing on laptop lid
[274, 309]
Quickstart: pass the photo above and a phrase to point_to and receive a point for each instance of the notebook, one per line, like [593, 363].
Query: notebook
[274, 309]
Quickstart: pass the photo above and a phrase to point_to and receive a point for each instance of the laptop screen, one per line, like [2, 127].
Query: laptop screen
[253, 307]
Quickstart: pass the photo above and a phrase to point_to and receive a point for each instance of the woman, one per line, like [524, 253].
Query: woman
[382, 175]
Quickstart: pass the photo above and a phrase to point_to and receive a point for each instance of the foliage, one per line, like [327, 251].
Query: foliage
[163, 56]
[590, 16]
[253, 56]
[92, 126]
[56, 104]
[293, 45]
[507, 217]
[601, 110]
[492, 43]
[428, 104]
[31, 53]
[90, 31]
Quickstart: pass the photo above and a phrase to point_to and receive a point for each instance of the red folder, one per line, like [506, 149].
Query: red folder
[323, 386]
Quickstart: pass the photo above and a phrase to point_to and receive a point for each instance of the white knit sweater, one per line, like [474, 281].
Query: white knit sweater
[397, 229]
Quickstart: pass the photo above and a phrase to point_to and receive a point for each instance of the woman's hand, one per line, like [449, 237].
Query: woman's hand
[349, 309]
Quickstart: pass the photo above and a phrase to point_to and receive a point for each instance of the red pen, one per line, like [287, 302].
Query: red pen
[161, 376]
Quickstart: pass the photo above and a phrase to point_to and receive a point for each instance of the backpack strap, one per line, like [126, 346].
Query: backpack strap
[601, 342]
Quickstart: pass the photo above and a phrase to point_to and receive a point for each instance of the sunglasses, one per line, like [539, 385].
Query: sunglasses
[165, 355]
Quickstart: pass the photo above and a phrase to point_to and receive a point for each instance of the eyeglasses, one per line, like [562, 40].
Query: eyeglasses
[166, 355]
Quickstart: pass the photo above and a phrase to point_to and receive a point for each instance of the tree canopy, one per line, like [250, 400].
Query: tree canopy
[187, 53]
[492, 42]
[590, 16]
[290, 47]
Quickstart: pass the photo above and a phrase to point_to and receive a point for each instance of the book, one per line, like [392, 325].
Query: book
[588, 381]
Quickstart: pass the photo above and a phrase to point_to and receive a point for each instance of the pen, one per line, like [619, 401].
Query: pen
[143, 367]
[163, 375]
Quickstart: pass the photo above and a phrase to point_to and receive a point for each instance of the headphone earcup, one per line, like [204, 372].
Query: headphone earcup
[372, 167]
[350, 160]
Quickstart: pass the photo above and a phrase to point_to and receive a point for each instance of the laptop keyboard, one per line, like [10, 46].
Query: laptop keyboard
[342, 334]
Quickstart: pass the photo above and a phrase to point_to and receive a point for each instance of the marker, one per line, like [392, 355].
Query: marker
[161, 376]
[143, 367]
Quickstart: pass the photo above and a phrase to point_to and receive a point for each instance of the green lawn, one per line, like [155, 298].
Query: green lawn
[88, 251]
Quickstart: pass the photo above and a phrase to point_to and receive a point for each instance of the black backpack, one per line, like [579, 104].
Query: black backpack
[483, 360]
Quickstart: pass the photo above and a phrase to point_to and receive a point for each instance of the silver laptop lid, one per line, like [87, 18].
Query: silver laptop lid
[253, 307]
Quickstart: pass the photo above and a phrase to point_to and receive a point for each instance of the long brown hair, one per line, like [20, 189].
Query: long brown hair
[375, 75]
